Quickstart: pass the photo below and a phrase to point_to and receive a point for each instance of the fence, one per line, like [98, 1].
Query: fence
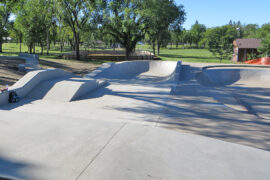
[110, 55]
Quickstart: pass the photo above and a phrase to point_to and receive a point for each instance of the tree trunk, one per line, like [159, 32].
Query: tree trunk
[77, 45]
[1, 43]
[20, 43]
[48, 42]
[41, 45]
[127, 53]
[30, 48]
[158, 44]
[153, 46]
[158, 47]
[61, 46]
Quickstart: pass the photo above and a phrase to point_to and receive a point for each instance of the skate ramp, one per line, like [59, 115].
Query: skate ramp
[64, 90]
[245, 90]
[31, 80]
[144, 70]
[223, 77]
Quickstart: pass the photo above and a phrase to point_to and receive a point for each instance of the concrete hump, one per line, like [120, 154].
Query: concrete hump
[65, 90]
[139, 69]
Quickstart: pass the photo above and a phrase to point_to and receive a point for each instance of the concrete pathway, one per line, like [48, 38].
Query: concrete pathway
[31, 62]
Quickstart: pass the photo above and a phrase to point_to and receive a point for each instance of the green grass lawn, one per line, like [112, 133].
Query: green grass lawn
[13, 49]
[186, 55]
[190, 55]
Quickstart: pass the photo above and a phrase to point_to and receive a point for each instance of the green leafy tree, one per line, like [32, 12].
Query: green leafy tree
[250, 30]
[16, 33]
[263, 31]
[196, 32]
[124, 23]
[220, 41]
[33, 18]
[76, 14]
[5, 12]
[161, 14]
[265, 46]
[205, 38]
[239, 28]
[176, 27]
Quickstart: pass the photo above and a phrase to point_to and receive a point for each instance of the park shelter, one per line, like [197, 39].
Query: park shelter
[243, 48]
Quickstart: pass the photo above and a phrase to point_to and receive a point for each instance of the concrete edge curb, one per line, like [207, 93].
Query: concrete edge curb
[31, 80]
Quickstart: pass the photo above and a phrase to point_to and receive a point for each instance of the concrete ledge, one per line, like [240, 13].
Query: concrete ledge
[237, 65]
[31, 80]
[223, 77]
[25, 55]
[73, 87]
[31, 62]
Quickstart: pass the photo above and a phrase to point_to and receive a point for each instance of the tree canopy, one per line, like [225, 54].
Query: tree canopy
[220, 41]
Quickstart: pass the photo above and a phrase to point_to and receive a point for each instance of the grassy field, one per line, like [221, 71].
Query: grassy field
[187, 55]
[190, 55]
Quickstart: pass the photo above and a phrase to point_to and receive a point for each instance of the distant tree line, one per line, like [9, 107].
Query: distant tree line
[219, 40]
[77, 22]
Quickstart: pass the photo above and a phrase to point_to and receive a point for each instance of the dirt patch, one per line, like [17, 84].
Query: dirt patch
[9, 73]
[79, 68]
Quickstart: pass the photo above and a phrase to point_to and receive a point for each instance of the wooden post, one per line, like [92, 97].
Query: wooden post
[245, 54]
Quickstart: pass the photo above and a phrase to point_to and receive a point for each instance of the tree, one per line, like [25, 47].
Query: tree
[124, 23]
[239, 27]
[76, 14]
[196, 32]
[176, 27]
[250, 30]
[220, 41]
[5, 12]
[16, 33]
[263, 31]
[160, 15]
[265, 46]
[205, 38]
[33, 19]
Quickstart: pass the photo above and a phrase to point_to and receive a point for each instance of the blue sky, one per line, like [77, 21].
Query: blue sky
[219, 12]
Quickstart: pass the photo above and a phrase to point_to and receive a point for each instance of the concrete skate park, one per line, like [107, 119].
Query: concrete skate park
[138, 120]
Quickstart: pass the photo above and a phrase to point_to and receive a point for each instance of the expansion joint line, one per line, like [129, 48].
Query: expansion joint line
[100, 151]
[162, 110]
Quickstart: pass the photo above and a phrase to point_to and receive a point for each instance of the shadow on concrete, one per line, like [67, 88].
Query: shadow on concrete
[12, 169]
[192, 108]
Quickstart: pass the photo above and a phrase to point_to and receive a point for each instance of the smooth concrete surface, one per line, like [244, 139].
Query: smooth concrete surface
[66, 90]
[31, 62]
[140, 127]
[227, 76]
[249, 86]
[141, 69]
[31, 80]
[57, 147]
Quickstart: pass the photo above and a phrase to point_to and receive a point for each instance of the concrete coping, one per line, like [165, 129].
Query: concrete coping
[26, 55]
[228, 66]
